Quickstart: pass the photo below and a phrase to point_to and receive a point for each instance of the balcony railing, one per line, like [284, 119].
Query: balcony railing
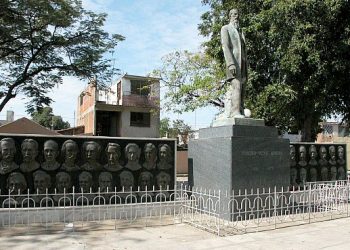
[134, 100]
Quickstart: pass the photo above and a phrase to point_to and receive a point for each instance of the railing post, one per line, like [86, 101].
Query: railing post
[347, 199]
[182, 207]
[309, 204]
[219, 212]
[275, 207]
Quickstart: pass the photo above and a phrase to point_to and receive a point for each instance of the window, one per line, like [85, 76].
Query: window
[140, 87]
[138, 119]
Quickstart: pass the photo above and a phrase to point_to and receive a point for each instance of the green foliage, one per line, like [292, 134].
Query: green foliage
[178, 127]
[164, 127]
[46, 118]
[191, 80]
[43, 40]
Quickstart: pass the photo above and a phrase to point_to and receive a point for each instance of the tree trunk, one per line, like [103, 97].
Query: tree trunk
[306, 130]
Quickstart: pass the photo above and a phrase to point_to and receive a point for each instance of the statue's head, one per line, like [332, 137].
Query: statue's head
[165, 152]
[85, 181]
[163, 180]
[16, 181]
[146, 180]
[42, 181]
[29, 149]
[126, 179]
[234, 15]
[323, 152]
[132, 152]
[50, 150]
[332, 152]
[113, 153]
[340, 152]
[150, 152]
[7, 149]
[63, 182]
[91, 150]
[302, 152]
[105, 181]
[292, 152]
[69, 150]
[313, 152]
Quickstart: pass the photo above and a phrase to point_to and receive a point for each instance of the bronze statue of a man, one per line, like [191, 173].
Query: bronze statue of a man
[233, 46]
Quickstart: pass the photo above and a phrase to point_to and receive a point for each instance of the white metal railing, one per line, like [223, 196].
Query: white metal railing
[220, 212]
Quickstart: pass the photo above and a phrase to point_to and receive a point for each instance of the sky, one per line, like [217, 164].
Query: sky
[152, 28]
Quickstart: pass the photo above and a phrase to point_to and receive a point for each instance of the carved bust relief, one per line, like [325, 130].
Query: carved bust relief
[50, 155]
[341, 161]
[126, 180]
[302, 176]
[16, 183]
[69, 152]
[302, 156]
[85, 181]
[91, 152]
[332, 156]
[293, 177]
[8, 151]
[113, 154]
[313, 163]
[63, 182]
[292, 161]
[150, 153]
[132, 154]
[42, 182]
[146, 181]
[165, 157]
[105, 182]
[29, 150]
[323, 163]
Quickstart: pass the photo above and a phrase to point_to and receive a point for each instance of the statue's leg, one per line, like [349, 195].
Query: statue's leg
[242, 96]
[227, 101]
[236, 98]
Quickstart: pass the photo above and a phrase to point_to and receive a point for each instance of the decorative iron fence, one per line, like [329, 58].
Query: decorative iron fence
[220, 212]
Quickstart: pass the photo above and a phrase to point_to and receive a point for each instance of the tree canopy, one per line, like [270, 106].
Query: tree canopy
[43, 40]
[46, 118]
[178, 127]
[191, 80]
[298, 53]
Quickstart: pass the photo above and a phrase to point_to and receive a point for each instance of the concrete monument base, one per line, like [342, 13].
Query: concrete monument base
[238, 121]
[237, 157]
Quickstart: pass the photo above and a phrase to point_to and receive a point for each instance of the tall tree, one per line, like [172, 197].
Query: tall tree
[43, 40]
[46, 118]
[298, 54]
[177, 128]
[191, 80]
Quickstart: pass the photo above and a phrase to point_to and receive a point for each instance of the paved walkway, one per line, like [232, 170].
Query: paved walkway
[333, 234]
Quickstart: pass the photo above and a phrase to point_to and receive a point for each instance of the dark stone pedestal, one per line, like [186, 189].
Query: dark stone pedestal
[238, 157]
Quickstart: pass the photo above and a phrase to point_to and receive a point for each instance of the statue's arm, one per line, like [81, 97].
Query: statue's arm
[225, 42]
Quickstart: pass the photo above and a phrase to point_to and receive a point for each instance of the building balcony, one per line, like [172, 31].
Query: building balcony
[134, 100]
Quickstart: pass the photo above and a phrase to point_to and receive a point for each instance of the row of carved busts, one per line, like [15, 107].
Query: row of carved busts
[59, 165]
[112, 189]
[325, 164]
[160, 158]
[106, 182]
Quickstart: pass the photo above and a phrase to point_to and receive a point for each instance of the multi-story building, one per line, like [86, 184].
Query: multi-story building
[129, 108]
